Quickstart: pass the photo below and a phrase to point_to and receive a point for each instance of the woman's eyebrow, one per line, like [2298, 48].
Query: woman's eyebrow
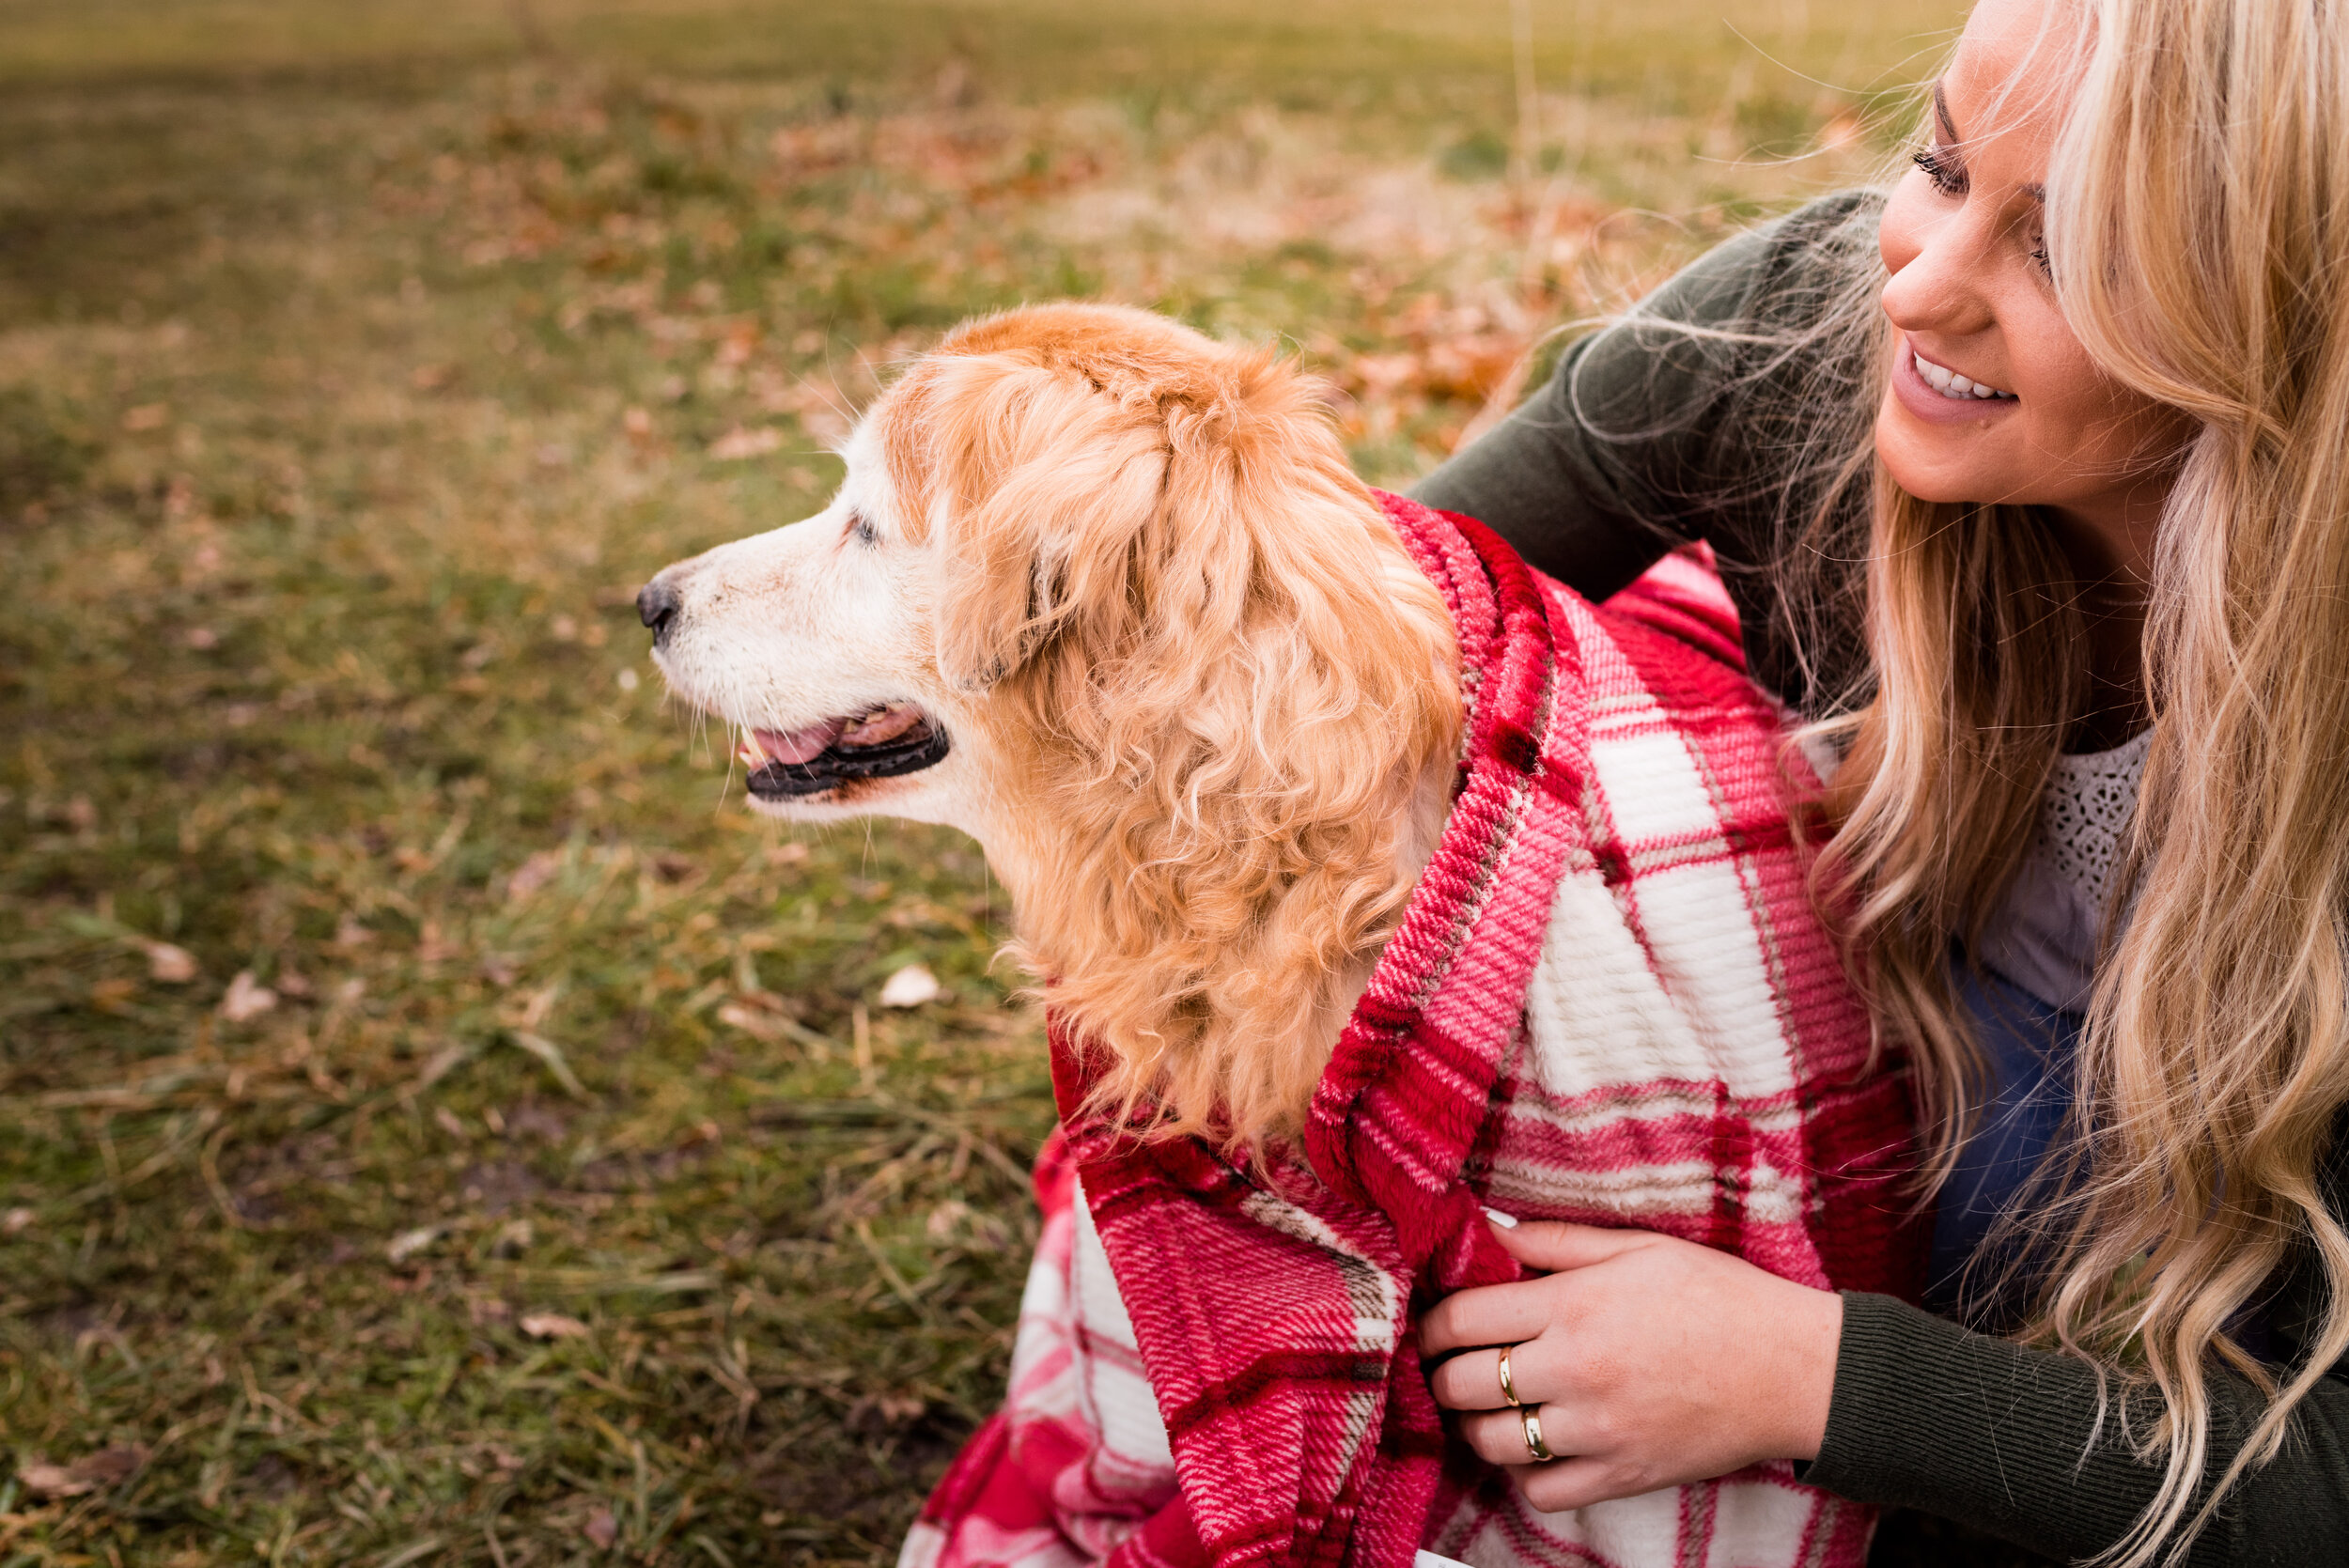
[1942, 114]
[1948, 128]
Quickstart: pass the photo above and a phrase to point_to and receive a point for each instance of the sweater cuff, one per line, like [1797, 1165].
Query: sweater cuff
[1928, 1415]
[1867, 1451]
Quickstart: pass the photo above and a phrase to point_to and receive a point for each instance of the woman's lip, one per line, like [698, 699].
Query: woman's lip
[1918, 398]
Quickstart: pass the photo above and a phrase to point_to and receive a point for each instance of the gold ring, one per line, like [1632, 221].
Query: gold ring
[1508, 1388]
[1528, 1416]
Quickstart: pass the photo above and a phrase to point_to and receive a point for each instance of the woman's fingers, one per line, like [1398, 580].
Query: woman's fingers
[1489, 1314]
[1501, 1436]
[1577, 1482]
[1471, 1381]
[1551, 1245]
[1503, 1314]
[1569, 1479]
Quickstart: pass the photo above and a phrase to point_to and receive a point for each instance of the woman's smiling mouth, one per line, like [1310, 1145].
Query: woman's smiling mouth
[1948, 383]
[1933, 394]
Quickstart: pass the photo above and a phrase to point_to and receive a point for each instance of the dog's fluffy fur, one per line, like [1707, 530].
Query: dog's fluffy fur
[1203, 711]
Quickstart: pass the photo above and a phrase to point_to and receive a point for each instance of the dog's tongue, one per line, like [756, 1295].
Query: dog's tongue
[799, 745]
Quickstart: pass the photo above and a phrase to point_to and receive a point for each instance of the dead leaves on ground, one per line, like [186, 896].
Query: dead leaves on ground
[552, 1326]
[106, 1468]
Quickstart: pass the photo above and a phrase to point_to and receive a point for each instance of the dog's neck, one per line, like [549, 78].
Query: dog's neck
[1026, 856]
[1431, 807]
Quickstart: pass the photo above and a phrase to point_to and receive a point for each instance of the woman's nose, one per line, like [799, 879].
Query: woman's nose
[1938, 289]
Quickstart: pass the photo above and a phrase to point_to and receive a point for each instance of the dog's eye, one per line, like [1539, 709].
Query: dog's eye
[862, 531]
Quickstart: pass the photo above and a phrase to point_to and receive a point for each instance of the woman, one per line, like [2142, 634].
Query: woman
[2034, 477]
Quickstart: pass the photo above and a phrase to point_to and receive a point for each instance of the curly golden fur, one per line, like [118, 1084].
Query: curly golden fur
[1230, 682]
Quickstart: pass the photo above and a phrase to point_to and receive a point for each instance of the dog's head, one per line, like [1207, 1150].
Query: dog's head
[1105, 594]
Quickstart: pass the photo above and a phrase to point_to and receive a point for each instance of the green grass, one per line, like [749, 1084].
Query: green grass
[576, 1200]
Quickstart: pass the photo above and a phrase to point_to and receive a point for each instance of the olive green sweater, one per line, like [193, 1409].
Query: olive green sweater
[1989, 1452]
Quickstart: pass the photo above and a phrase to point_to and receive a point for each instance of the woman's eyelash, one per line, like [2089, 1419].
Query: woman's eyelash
[1947, 176]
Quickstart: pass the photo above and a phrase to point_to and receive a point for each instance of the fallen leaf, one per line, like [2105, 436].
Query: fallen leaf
[534, 872]
[552, 1326]
[739, 443]
[15, 1220]
[442, 1061]
[247, 998]
[106, 1467]
[750, 1024]
[51, 1481]
[602, 1529]
[409, 1243]
[146, 416]
[911, 986]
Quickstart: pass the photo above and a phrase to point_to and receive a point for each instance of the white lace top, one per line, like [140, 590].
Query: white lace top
[2044, 936]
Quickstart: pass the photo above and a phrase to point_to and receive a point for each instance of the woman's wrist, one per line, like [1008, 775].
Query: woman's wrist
[1810, 1334]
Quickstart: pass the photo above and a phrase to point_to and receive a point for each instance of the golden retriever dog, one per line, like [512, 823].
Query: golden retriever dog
[1104, 595]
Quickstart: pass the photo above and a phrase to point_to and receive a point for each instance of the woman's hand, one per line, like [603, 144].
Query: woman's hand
[1654, 1361]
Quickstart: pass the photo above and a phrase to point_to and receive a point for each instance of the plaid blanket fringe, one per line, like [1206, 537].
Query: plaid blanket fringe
[1608, 1002]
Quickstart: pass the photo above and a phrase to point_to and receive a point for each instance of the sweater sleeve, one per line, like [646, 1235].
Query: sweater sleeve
[1928, 1415]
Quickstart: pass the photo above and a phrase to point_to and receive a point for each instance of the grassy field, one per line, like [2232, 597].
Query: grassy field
[437, 1123]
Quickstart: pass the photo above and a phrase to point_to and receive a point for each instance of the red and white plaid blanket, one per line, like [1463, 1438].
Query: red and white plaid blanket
[1608, 1002]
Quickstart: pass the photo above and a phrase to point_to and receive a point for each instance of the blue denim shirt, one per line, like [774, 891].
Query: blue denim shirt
[2032, 1051]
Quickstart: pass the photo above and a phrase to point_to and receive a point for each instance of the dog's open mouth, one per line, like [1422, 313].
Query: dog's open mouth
[880, 743]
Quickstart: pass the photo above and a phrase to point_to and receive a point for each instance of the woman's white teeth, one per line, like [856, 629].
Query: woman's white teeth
[1948, 383]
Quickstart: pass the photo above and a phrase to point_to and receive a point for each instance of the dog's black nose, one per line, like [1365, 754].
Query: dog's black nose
[657, 606]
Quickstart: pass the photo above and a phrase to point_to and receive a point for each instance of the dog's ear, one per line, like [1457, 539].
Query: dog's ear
[1040, 492]
[1233, 680]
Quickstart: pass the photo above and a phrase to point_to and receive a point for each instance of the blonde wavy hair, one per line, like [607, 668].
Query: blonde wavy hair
[2198, 225]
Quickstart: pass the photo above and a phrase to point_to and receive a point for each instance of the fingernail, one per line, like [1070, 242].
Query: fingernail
[1506, 1222]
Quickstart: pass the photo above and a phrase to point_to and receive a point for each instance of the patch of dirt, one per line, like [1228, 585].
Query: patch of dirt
[496, 1186]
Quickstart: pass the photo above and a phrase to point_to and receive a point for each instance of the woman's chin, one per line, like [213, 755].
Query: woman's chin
[1920, 460]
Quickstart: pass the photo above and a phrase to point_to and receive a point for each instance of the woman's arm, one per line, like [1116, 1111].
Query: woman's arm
[1927, 1415]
